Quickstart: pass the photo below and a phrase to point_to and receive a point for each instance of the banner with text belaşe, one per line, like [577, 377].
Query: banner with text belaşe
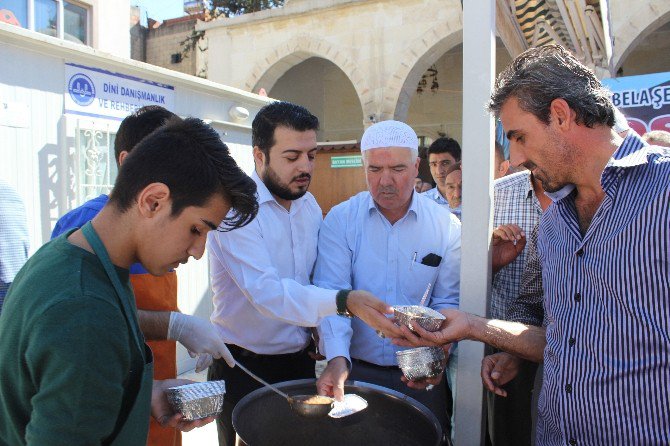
[644, 100]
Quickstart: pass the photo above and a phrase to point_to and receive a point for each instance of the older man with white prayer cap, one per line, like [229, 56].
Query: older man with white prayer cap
[392, 242]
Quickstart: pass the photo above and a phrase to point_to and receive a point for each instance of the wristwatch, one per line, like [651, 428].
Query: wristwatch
[341, 302]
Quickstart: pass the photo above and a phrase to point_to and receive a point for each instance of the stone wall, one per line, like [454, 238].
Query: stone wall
[354, 62]
[164, 41]
[138, 42]
[377, 44]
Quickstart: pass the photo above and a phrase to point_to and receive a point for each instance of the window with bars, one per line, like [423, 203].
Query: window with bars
[95, 164]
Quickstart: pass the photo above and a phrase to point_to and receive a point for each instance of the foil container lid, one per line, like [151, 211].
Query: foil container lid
[351, 404]
[197, 400]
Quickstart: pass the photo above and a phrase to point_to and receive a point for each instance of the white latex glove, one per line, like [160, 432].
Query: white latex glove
[198, 336]
[204, 360]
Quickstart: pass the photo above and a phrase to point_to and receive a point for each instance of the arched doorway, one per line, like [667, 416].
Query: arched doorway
[325, 90]
[436, 111]
[649, 55]
[435, 105]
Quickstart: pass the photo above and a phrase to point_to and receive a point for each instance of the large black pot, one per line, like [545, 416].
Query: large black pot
[391, 418]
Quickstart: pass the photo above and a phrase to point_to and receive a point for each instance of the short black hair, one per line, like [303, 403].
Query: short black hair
[445, 145]
[280, 114]
[189, 158]
[138, 125]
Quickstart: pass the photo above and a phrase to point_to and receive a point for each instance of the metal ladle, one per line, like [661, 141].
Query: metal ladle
[297, 402]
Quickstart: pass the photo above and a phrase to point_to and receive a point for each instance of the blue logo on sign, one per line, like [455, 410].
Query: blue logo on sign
[81, 89]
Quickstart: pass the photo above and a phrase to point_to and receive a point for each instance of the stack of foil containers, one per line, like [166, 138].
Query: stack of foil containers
[421, 363]
[198, 400]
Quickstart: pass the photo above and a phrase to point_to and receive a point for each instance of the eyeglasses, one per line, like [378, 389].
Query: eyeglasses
[443, 163]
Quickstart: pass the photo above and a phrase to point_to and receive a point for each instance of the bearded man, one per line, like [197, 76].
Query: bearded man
[263, 299]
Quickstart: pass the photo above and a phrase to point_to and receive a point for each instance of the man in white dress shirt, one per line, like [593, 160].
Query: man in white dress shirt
[260, 274]
[392, 242]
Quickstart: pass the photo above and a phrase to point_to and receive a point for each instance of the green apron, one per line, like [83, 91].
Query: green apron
[135, 429]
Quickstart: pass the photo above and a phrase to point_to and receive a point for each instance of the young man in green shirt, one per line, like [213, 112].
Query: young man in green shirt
[75, 369]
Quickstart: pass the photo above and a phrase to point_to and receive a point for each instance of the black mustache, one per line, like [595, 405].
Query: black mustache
[304, 175]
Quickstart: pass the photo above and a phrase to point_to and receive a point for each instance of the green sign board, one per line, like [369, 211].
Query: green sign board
[339, 162]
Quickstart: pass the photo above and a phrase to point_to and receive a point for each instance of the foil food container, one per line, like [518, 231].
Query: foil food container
[425, 317]
[198, 400]
[421, 363]
[350, 405]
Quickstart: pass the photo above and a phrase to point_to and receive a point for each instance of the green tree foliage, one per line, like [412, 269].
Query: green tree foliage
[230, 8]
[225, 8]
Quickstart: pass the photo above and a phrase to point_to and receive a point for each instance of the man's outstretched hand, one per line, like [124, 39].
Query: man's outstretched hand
[456, 326]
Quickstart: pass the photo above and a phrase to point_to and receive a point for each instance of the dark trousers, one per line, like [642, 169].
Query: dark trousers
[272, 368]
[510, 417]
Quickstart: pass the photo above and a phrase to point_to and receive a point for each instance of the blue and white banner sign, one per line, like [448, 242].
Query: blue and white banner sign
[100, 93]
[644, 100]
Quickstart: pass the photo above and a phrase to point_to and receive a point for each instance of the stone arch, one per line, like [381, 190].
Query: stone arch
[415, 60]
[298, 49]
[641, 21]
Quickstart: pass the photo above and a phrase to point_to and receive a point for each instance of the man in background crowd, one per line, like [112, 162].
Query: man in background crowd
[421, 186]
[453, 191]
[444, 155]
[657, 138]
[501, 163]
[13, 237]
[518, 203]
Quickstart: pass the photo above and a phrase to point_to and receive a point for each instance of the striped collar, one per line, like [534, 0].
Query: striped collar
[632, 152]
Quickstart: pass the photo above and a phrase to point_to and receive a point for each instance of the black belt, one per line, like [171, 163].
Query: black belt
[376, 366]
[236, 350]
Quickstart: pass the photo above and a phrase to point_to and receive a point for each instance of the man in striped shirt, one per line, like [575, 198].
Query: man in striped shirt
[13, 237]
[604, 247]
